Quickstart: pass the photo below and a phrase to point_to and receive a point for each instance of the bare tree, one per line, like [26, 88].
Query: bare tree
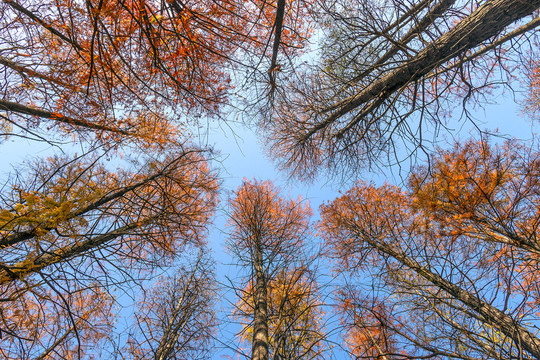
[176, 319]
[389, 73]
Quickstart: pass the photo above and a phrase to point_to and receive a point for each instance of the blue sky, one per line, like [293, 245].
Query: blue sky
[242, 156]
[239, 155]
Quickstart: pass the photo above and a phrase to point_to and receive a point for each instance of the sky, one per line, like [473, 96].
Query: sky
[239, 154]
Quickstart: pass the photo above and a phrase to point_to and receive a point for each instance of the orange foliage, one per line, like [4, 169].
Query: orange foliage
[167, 203]
[532, 102]
[260, 216]
[473, 194]
[130, 67]
[482, 192]
[381, 211]
[369, 327]
[267, 235]
[35, 321]
[72, 227]
[474, 211]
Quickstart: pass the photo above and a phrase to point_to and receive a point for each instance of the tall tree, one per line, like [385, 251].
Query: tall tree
[71, 228]
[124, 69]
[267, 232]
[454, 257]
[295, 315]
[175, 319]
[389, 70]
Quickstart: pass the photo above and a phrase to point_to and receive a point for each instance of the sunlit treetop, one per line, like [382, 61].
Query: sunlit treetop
[477, 187]
[475, 190]
[259, 216]
[461, 239]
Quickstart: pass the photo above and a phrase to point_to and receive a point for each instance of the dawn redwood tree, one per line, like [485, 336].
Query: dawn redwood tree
[122, 69]
[390, 72]
[295, 315]
[72, 229]
[175, 320]
[453, 259]
[116, 69]
[266, 236]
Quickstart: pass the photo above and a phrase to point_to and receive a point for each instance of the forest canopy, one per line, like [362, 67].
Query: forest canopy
[114, 242]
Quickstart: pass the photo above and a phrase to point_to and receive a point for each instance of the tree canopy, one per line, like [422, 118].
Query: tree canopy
[391, 72]
[109, 240]
[456, 248]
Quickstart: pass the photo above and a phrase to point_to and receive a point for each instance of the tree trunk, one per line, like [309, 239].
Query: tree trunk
[35, 111]
[19, 270]
[260, 316]
[523, 339]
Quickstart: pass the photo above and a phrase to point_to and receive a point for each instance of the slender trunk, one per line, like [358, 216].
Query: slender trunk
[523, 339]
[260, 316]
[179, 318]
[278, 25]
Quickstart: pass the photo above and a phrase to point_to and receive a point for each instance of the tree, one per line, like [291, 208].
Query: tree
[367, 326]
[72, 229]
[458, 247]
[124, 69]
[295, 316]
[176, 319]
[111, 68]
[110, 75]
[267, 232]
[389, 70]
[55, 321]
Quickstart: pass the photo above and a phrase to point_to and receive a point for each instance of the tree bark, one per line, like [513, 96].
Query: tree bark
[439, 9]
[35, 111]
[278, 25]
[260, 315]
